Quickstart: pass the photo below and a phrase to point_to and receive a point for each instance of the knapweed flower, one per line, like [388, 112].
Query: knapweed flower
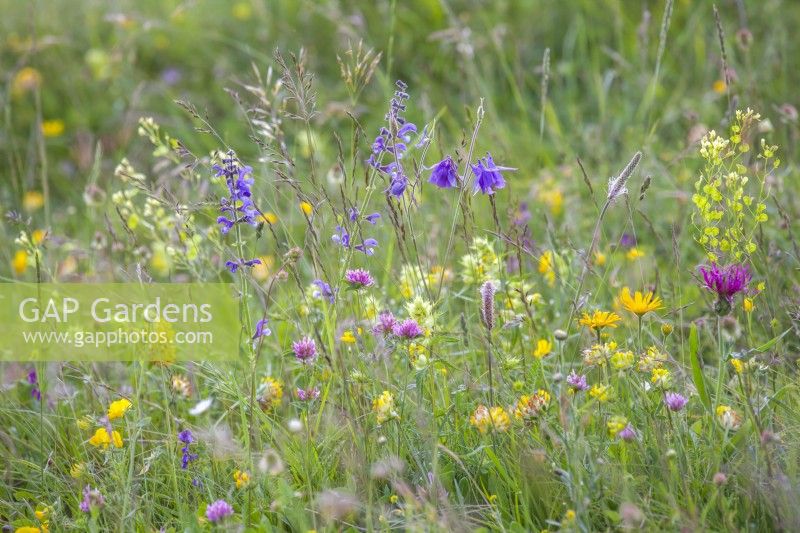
[34, 382]
[495, 419]
[727, 281]
[270, 393]
[529, 407]
[675, 401]
[599, 320]
[241, 479]
[445, 174]
[408, 329]
[238, 207]
[218, 511]
[601, 393]
[102, 439]
[118, 408]
[307, 395]
[92, 499]
[186, 438]
[383, 407]
[577, 382]
[488, 176]
[359, 278]
[543, 348]
[305, 350]
[385, 325]
[639, 304]
[728, 418]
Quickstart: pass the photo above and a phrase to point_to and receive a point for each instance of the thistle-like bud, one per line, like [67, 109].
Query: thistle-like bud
[487, 305]
[616, 186]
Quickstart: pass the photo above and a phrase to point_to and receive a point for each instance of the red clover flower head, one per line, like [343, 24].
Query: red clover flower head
[408, 329]
[305, 350]
[218, 511]
[359, 278]
[675, 401]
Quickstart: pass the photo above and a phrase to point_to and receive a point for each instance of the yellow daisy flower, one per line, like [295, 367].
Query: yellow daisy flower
[640, 303]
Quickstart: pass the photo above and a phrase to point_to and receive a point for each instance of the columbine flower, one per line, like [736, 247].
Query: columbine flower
[576, 382]
[488, 176]
[728, 418]
[408, 329]
[599, 320]
[495, 419]
[383, 407]
[445, 174]
[639, 304]
[385, 325]
[529, 407]
[359, 278]
[262, 329]
[307, 395]
[186, 438]
[305, 350]
[675, 401]
[117, 409]
[92, 499]
[218, 511]
[727, 281]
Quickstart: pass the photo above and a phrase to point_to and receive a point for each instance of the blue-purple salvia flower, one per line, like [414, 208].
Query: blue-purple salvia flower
[238, 207]
[367, 247]
[34, 381]
[488, 176]
[186, 438]
[342, 238]
[218, 511]
[324, 291]
[262, 329]
[444, 174]
[233, 266]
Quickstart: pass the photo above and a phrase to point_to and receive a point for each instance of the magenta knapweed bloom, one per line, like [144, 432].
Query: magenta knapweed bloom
[627, 434]
[488, 176]
[675, 401]
[386, 324]
[445, 174]
[305, 349]
[576, 382]
[359, 278]
[726, 281]
[218, 511]
[408, 329]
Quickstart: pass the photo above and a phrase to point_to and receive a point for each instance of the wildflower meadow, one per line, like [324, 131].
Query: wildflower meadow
[485, 266]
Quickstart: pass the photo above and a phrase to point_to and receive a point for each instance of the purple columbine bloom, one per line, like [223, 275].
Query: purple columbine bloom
[726, 281]
[627, 434]
[386, 324]
[218, 511]
[305, 350]
[359, 278]
[407, 329]
[234, 266]
[262, 329]
[186, 438]
[398, 184]
[675, 401]
[306, 395]
[488, 176]
[445, 174]
[324, 291]
[576, 382]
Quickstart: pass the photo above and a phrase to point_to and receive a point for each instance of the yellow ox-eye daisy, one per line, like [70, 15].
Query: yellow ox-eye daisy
[599, 320]
[117, 409]
[639, 303]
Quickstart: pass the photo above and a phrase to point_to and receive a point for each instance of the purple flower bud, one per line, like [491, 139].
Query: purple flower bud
[627, 434]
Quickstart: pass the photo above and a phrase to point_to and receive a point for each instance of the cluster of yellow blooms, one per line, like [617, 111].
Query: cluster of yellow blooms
[102, 438]
[495, 419]
[383, 407]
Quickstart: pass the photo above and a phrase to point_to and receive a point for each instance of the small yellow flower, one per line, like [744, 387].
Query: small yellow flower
[32, 200]
[748, 305]
[101, 438]
[634, 254]
[27, 79]
[20, 262]
[269, 218]
[728, 418]
[27, 529]
[666, 328]
[270, 393]
[599, 320]
[495, 419]
[529, 407]
[543, 348]
[719, 86]
[599, 258]
[242, 10]
[383, 407]
[306, 208]
[348, 337]
[737, 365]
[660, 377]
[615, 425]
[622, 360]
[601, 393]
[569, 518]
[38, 235]
[118, 408]
[84, 422]
[241, 478]
[546, 267]
[77, 470]
[52, 128]
[639, 304]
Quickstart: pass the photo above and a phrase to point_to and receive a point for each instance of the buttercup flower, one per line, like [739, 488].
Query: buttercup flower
[543, 348]
[102, 438]
[218, 511]
[639, 304]
[445, 174]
